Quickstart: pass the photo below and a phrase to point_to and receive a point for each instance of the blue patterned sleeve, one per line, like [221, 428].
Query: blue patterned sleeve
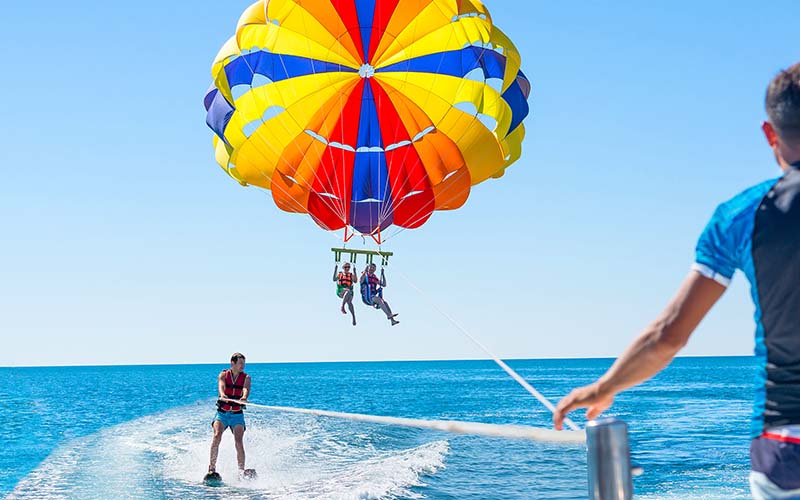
[715, 255]
[725, 241]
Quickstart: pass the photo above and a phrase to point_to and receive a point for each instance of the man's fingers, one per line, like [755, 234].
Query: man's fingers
[594, 412]
[565, 406]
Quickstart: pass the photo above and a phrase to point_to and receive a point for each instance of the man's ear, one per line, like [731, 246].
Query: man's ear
[769, 133]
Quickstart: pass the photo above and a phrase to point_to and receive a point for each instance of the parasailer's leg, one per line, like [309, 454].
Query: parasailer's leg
[348, 300]
[386, 309]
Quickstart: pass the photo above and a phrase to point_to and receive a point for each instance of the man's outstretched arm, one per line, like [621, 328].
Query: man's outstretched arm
[651, 351]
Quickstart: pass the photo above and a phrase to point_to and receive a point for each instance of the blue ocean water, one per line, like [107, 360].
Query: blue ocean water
[143, 432]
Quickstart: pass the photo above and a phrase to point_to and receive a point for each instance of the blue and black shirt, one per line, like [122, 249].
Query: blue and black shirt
[758, 232]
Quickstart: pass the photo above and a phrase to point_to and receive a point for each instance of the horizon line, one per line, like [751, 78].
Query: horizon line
[355, 361]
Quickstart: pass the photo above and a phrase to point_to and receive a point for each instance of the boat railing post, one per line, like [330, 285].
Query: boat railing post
[609, 460]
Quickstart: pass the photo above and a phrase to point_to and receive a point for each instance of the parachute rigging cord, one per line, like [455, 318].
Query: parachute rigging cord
[454, 426]
[516, 376]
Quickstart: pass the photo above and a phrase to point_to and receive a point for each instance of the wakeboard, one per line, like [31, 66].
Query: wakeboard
[212, 479]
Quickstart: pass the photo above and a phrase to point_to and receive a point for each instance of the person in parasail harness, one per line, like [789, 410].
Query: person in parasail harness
[372, 292]
[344, 287]
[232, 384]
[758, 233]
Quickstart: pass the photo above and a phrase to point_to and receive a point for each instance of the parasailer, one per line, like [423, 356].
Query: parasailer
[372, 292]
[344, 287]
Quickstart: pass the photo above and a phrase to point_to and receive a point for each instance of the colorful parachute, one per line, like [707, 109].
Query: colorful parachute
[367, 113]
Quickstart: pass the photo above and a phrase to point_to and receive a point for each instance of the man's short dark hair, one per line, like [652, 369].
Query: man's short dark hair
[783, 103]
[236, 357]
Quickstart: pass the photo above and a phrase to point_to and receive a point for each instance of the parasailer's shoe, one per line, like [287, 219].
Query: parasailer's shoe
[394, 321]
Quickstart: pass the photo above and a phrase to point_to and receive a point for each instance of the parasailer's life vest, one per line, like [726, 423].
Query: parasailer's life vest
[234, 389]
[345, 280]
[369, 289]
[373, 283]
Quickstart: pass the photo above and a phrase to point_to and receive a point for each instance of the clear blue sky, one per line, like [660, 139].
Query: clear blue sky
[123, 242]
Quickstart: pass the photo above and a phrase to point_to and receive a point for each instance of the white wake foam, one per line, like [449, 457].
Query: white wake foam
[297, 457]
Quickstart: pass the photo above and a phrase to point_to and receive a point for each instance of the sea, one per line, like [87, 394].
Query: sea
[143, 432]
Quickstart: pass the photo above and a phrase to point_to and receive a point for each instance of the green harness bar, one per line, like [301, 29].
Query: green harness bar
[370, 255]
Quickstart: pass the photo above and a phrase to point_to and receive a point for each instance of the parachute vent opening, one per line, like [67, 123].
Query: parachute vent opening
[422, 134]
[329, 195]
[496, 84]
[451, 174]
[396, 145]
[251, 127]
[271, 112]
[487, 121]
[366, 71]
[339, 145]
[476, 74]
[260, 80]
[237, 91]
[412, 193]
[316, 136]
[467, 15]
[467, 107]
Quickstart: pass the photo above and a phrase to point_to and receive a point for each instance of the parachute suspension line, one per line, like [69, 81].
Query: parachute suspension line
[305, 183]
[458, 427]
[448, 200]
[546, 402]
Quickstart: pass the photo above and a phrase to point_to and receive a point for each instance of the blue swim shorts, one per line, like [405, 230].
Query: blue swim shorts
[229, 419]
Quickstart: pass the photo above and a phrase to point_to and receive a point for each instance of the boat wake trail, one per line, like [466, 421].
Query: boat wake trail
[296, 456]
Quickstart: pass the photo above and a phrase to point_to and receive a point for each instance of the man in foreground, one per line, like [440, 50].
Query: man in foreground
[758, 232]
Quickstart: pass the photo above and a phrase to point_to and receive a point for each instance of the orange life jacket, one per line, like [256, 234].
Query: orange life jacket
[345, 279]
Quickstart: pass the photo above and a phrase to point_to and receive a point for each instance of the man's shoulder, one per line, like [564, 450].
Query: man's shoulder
[744, 203]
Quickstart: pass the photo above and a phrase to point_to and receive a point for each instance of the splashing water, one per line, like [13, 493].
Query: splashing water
[297, 457]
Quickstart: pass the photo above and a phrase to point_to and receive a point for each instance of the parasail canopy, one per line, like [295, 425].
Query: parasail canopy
[367, 113]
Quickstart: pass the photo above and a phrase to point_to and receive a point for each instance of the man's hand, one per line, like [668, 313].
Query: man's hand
[589, 396]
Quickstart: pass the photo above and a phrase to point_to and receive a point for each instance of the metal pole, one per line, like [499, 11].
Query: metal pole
[609, 459]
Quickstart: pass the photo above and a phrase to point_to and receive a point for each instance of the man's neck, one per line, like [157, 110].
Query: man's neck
[235, 373]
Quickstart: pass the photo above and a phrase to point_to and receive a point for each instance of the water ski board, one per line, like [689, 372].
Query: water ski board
[212, 479]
